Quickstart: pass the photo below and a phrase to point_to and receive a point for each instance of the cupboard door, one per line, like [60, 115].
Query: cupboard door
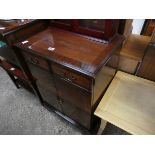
[98, 28]
[73, 94]
[75, 113]
[48, 95]
[94, 24]
[44, 81]
[62, 23]
[76, 102]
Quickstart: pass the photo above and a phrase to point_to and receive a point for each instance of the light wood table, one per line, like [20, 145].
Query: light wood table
[129, 103]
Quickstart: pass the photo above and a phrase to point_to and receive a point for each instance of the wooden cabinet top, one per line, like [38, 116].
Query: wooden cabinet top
[70, 49]
[9, 26]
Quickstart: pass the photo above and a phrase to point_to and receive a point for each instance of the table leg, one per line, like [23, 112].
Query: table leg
[102, 127]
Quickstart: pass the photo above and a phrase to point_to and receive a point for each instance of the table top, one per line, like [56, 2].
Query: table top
[129, 103]
[70, 49]
[7, 26]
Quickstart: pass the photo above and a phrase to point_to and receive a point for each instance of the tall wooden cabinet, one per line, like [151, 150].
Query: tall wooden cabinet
[71, 71]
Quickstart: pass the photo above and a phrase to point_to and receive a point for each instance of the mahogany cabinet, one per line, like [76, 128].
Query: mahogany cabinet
[71, 71]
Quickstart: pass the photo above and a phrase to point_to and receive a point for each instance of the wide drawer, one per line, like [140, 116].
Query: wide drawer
[35, 60]
[72, 76]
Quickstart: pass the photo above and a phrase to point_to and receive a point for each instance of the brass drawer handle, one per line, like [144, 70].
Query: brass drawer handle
[65, 75]
[34, 61]
[60, 100]
[73, 78]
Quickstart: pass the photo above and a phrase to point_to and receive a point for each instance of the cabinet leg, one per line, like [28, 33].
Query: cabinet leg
[102, 127]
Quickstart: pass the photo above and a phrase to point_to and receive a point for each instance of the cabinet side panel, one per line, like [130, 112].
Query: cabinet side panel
[147, 69]
[102, 81]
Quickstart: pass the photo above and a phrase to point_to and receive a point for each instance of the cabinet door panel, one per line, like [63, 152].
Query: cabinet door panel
[94, 24]
[76, 114]
[73, 94]
[147, 69]
[62, 23]
[44, 81]
[48, 96]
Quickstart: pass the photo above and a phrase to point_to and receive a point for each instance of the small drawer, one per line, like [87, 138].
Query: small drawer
[72, 76]
[35, 60]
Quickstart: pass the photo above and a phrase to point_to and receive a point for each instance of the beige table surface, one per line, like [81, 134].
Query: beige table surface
[129, 103]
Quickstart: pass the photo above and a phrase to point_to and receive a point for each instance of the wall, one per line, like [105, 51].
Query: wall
[137, 25]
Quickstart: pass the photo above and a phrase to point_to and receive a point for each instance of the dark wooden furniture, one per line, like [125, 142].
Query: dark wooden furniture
[147, 68]
[69, 69]
[15, 74]
[98, 28]
[12, 31]
[148, 27]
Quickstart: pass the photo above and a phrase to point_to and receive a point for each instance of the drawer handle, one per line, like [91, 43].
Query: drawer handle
[60, 100]
[65, 75]
[73, 78]
[34, 61]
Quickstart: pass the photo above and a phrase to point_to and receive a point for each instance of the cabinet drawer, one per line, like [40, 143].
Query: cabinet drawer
[72, 76]
[35, 60]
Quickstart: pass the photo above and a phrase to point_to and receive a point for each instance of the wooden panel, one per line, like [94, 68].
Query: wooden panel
[100, 28]
[48, 95]
[129, 103]
[102, 80]
[73, 77]
[147, 69]
[10, 25]
[73, 94]
[135, 47]
[128, 27]
[153, 37]
[7, 53]
[35, 60]
[77, 114]
[12, 70]
[62, 23]
[128, 65]
[132, 53]
[148, 27]
[16, 30]
[94, 24]
[45, 84]
[71, 50]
